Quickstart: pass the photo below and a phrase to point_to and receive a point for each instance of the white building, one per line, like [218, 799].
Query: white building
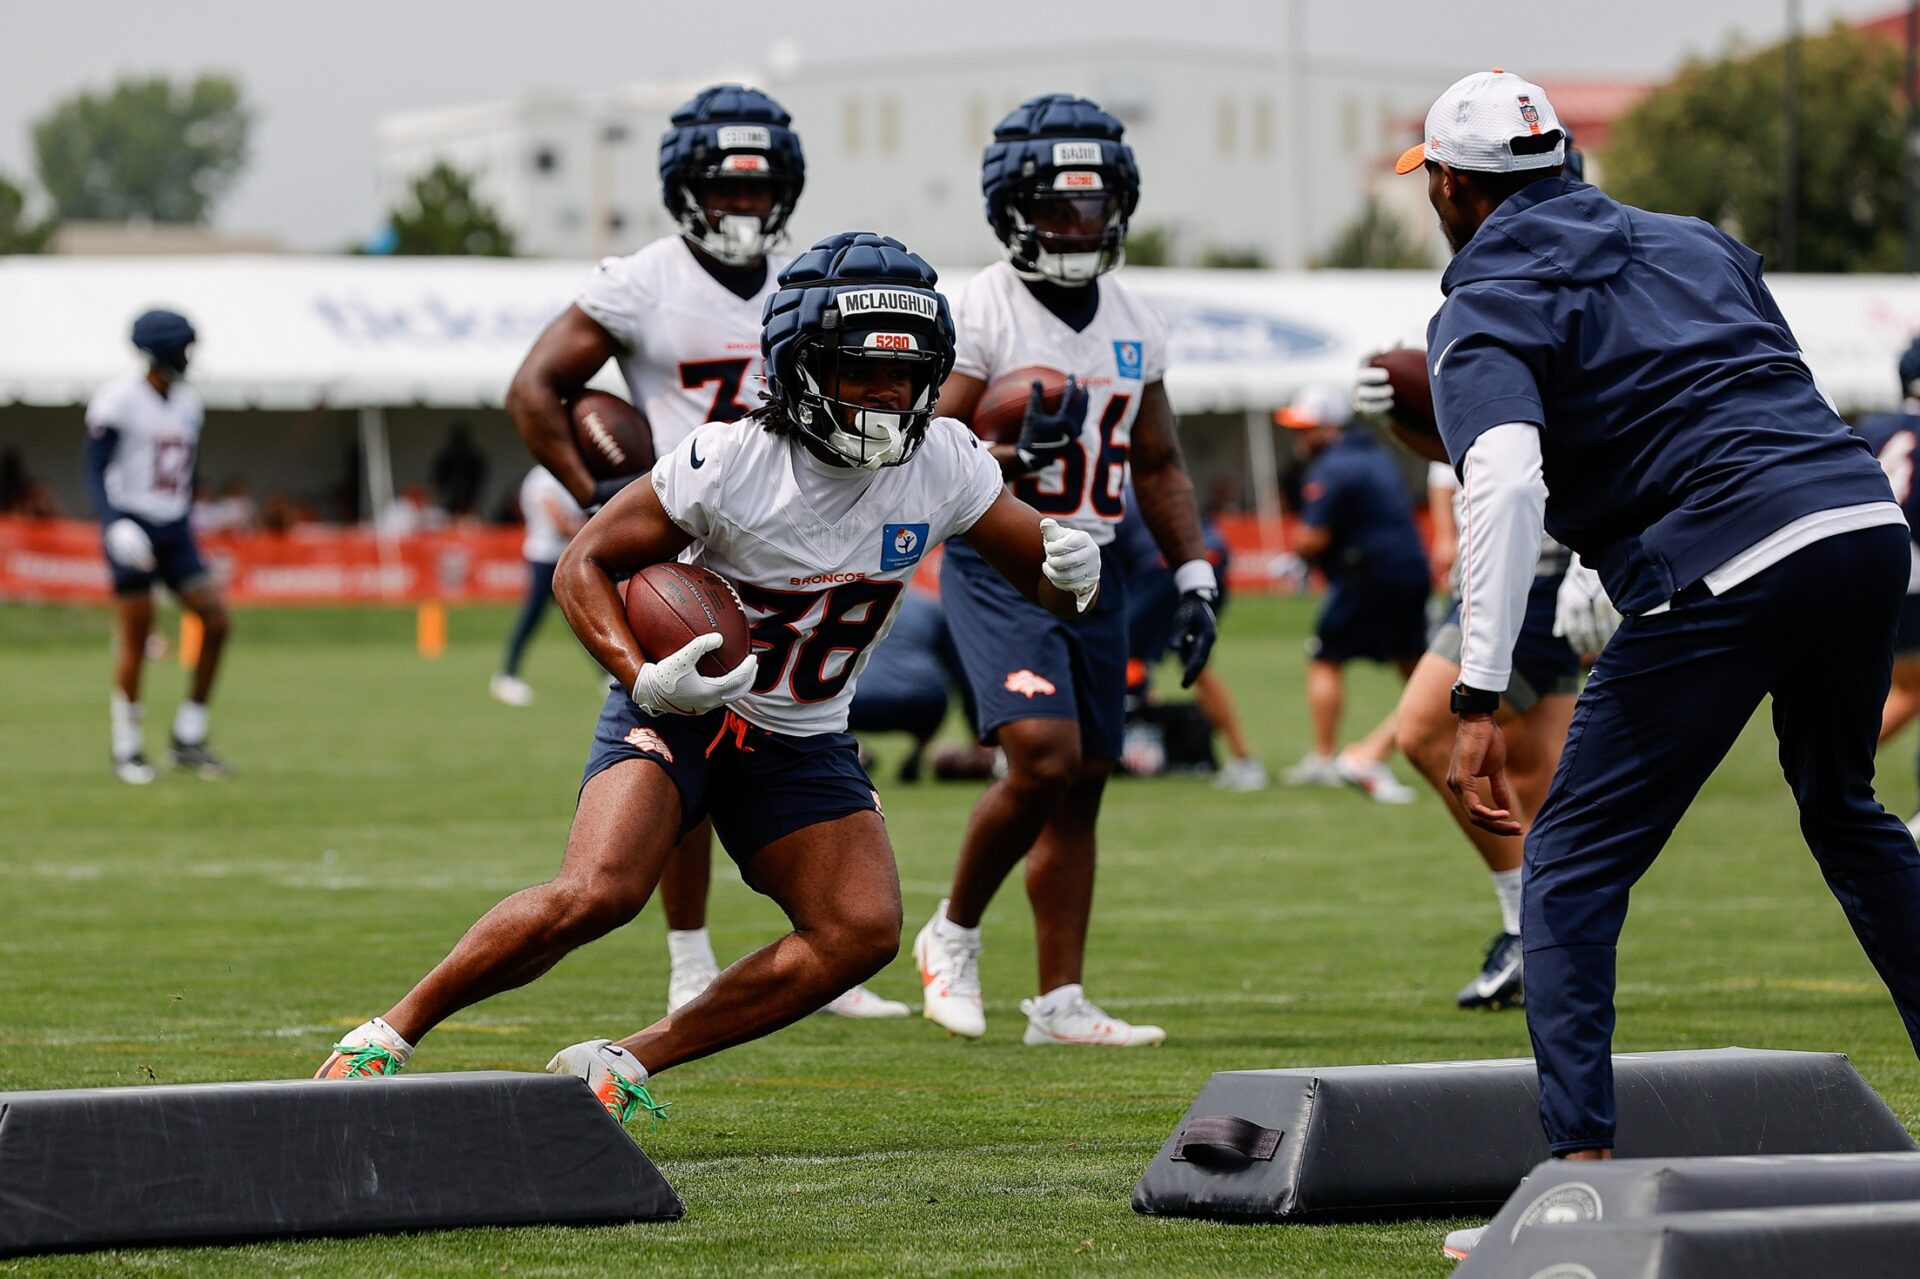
[1239, 153]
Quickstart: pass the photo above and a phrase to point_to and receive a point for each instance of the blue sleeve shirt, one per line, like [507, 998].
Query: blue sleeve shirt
[1354, 492]
[1679, 424]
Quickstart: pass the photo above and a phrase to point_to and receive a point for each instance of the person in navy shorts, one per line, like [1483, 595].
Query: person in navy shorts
[143, 441]
[1627, 376]
[1060, 182]
[1894, 438]
[1356, 527]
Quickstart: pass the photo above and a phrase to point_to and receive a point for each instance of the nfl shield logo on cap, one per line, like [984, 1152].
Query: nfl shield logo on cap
[1490, 122]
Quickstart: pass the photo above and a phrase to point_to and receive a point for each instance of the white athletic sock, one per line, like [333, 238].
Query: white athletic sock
[1060, 998]
[944, 927]
[128, 737]
[190, 723]
[1506, 886]
[378, 1029]
[690, 948]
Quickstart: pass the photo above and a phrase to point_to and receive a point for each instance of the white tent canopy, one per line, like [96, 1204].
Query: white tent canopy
[292, 332]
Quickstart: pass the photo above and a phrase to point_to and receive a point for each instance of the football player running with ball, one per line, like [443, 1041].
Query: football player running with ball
[1060, 184]
[818, 507]
[681, 317]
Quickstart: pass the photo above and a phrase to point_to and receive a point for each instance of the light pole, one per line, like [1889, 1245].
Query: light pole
[1790, 141]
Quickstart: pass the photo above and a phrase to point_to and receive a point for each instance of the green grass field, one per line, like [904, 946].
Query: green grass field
[198, 931]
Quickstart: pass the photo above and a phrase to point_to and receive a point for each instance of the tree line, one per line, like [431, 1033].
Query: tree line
[150, 149]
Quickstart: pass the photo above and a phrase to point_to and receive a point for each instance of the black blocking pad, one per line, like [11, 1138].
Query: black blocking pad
[1858, 1241]
[98, 1167]
[1560, 1194]
[1455, 1138]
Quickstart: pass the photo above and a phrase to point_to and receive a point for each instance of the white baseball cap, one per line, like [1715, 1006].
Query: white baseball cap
[1317, 404]
[1490, 122]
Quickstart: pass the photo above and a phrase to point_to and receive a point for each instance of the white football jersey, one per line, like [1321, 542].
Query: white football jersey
[1001, 327]
[819, 554]
[689, 345]
[542, 499]
[151, 472]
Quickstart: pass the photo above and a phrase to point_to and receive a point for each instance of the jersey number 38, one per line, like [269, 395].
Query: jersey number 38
[813, 639]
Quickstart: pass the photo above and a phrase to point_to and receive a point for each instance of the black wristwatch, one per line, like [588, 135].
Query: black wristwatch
[1467, 700]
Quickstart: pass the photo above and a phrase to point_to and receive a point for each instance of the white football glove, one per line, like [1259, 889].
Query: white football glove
[129, 546]
[1072, 563]
[1583, 615]
[1372, 393]
[672, 685]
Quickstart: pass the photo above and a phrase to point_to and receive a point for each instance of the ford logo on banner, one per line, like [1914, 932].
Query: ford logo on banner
[1200, 333]
[429, 319]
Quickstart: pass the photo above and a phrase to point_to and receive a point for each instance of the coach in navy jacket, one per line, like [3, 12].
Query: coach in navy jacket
[1627, 376]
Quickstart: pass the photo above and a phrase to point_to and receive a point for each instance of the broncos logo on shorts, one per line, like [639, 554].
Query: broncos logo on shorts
[1030, 684]
[645, 739]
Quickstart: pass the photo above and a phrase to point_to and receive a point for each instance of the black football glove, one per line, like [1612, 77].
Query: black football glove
[604, 490]
[1046, 436]
[1194, 630]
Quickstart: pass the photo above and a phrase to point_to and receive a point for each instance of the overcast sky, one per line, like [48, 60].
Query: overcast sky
[320, 75]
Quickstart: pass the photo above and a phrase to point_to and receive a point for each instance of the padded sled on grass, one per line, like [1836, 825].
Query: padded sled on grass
[1455, 1138]
[1857, 1241]
[106, 1167]
[1560, 1194]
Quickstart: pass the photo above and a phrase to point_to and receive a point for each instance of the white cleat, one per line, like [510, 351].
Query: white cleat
[1312, 770]
[950, 975]
[1078, 1020]
[687, 982]
[1377, 780]
[862, 1004]
[1242, 776]
[134, 770]
[510, 690]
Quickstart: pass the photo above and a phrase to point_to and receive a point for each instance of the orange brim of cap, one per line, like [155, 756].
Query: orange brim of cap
[1295, 420]
[1412, 158]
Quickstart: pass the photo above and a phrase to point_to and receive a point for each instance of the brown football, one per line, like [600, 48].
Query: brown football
[1003, 403]
[614, 438]
[1412, 419]
[669, 605]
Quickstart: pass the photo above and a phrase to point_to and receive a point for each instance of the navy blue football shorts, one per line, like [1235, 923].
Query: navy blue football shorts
[176, 559]
[757, 785]
[1544, 665]
[1374, 621]
[1022, 662]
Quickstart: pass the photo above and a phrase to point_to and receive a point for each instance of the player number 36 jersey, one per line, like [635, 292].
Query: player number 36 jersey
[1001, 327]
[819, 554]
